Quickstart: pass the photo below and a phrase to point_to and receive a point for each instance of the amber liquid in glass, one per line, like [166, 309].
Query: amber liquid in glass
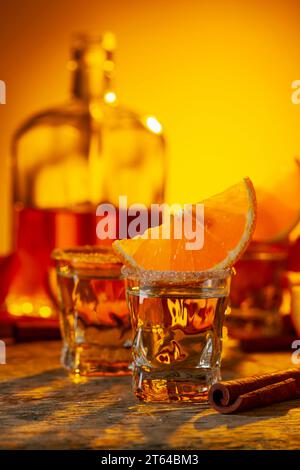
[177, 342]
[95, 324]
[32, 290]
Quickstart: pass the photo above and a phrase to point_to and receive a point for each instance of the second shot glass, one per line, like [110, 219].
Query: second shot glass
[94, 317]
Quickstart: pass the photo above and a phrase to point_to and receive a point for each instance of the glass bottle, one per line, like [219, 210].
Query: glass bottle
[66, 161]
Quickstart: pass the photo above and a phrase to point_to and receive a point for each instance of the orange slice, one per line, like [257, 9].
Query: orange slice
[229, 222]
[278, 206]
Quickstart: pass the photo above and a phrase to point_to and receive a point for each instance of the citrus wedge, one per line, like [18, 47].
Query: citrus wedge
[229, 222]
[278, 206]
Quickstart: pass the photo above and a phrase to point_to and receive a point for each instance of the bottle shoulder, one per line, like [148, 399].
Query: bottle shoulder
[51, 116]
[79, 114]
[89, 155]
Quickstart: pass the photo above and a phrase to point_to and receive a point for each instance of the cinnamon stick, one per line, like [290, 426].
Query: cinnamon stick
[251, 392]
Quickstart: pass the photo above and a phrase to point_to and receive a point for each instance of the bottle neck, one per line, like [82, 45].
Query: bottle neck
[90, 84]
[93, 67]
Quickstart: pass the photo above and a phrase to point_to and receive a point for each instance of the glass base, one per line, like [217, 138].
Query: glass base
[78, 364]
[186, 386]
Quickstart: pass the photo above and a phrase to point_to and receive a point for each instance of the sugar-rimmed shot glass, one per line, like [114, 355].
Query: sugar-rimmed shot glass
[94, 317]
[177, 320]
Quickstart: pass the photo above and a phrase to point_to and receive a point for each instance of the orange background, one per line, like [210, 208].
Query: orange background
[218, 75]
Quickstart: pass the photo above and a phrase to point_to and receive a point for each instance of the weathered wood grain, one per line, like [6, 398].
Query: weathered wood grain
[40, 408]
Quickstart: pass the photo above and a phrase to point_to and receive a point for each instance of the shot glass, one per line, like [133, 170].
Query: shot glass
[94, 318]
[177, 321]
[257, 292]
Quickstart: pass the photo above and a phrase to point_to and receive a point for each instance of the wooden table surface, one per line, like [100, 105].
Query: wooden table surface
[40, 408]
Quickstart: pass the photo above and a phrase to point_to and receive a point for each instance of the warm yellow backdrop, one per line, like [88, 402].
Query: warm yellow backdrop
[217, 73]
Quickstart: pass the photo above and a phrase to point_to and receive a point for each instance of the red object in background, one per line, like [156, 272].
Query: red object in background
[265, 308]
[38, 233]
[293, 283]
[8, 268]
[293, 263]
[258, 292]
[258, 280]
[19, 327]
